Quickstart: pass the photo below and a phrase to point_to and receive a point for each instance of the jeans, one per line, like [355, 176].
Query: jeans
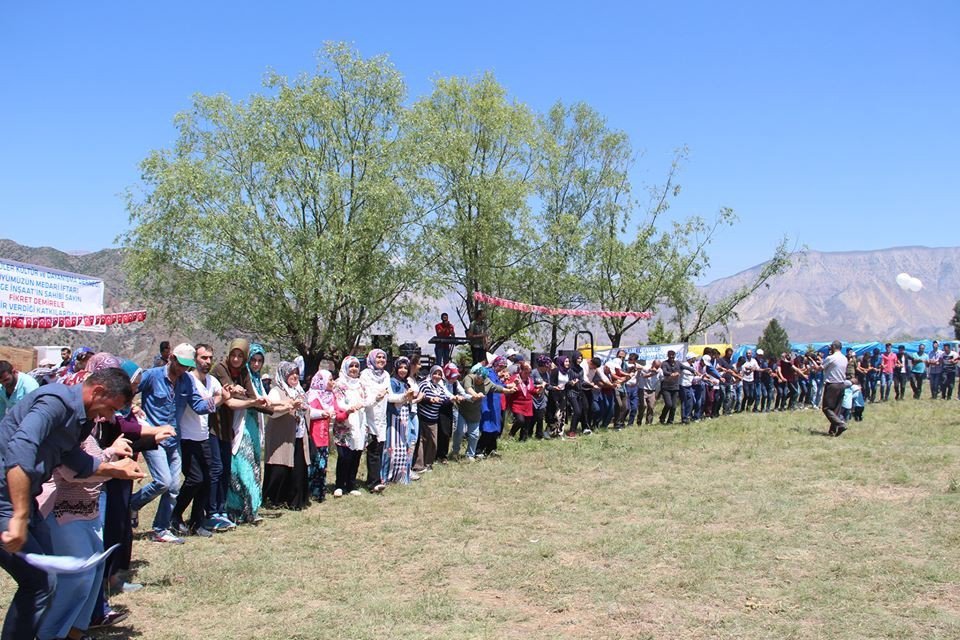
[35, 588]
[196, 482]
[946, 384]
[935, 377]
[749, 395]
[686, 408]
[442, 352]
[899, 384]
[633, 403]
[221, 460]
[76, 593]
[164, 465]
[886, 381]
[816, 391]
[698, 394]
[916, 383]
[472, 430]
[606, 409]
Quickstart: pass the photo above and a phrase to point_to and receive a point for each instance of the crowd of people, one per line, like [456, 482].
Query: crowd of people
[221, 442]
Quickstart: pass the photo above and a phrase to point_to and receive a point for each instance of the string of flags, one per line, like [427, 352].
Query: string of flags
[552, 311]
[68, 322]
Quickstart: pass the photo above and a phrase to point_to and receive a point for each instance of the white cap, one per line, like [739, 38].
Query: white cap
[707, 359]
[185, 354]
[511, 352]
[759, 352]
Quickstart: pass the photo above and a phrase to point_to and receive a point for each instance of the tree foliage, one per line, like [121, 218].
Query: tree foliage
[287, 216]
[955, 320]
[659, 334]
[774, 339]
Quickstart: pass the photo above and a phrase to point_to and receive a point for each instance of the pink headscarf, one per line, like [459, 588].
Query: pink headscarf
[318, 388]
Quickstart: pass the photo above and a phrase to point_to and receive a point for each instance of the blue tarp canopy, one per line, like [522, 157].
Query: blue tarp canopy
[859, 348]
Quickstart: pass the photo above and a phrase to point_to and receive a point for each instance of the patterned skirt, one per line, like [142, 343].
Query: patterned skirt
[245, 494]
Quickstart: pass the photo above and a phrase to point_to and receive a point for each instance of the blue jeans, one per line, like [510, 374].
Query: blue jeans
[164, 465]
[633, 403]
[472, 430]
[886, 381]
[606, 409]
[35, 588]
[76, 594]
[687, 404]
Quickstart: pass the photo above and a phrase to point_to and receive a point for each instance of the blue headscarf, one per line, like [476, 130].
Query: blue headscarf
[256, 350]
[131, 368]
[72, 367]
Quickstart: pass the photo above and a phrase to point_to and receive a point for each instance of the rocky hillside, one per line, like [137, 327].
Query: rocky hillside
[853, 295]
[850, 295]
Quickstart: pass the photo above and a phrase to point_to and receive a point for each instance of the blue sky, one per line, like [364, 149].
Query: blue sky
[835, 123]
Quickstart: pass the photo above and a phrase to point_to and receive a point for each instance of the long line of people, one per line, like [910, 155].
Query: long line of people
[220, 442]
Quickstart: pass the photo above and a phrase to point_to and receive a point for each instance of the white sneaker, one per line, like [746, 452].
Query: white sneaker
[471, 459]
[414, 475]
[356, 492]
[379, 488]
[587, 432]
[338, 493]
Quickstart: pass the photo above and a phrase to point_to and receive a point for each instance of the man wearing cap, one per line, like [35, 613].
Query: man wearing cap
[15, 386]
[632, 386]
[165, 393]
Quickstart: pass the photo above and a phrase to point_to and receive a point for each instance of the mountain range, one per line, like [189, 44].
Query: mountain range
[849, 295]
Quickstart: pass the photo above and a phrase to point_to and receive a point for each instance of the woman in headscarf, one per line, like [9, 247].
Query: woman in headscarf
[71, 508]
[395, 463]
[565, 396]
[376, 386]
[491, 410]
[76, 371]
[286, 448]
[322, 413]
[235, 492]
[521, 403]
[450, 420]
[350, 427]
[434, 397]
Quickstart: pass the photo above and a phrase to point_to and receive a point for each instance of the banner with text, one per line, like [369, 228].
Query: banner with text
[649, 352]
[30, 291]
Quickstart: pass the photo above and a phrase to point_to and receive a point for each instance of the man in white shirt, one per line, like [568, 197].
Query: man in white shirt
[747, 374]
[195, 449]
[649, 380]
[835, 382]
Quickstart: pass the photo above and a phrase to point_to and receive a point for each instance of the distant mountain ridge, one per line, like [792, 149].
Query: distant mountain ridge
[848, 295]
[852, 295]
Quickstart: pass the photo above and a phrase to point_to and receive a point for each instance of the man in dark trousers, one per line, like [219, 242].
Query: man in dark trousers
[835, 382]
[670, 387]
[41, 432]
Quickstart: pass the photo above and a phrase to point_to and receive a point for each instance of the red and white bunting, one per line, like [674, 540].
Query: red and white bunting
[551, 311]
[69, 322]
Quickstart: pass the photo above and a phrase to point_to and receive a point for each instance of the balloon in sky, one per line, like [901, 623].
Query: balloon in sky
[908, 283]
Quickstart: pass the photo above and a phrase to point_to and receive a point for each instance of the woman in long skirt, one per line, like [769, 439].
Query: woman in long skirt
[286, 447]
[396, 454]
[245, 493]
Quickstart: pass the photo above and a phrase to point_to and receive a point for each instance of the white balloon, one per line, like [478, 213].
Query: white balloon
[903, 279]
[915, 284]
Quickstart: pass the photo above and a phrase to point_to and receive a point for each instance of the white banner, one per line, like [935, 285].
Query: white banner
[29, 290]
[649, 352]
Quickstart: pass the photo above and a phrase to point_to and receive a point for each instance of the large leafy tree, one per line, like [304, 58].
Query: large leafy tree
[955, 320]
[583, 165]
[285, 216]
[478, 150]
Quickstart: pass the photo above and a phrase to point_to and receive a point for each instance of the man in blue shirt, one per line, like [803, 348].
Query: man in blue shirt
[15, 385]
[43, 431]
[165, 392]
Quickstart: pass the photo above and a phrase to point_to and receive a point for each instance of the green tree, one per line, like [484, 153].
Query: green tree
[774, 340]
[582, 163]
[659, 334]
[478, 150]
[955, 320]
[287, 216]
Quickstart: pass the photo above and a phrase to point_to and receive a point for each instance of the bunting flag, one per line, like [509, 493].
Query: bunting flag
[551, 311]
[69, 322]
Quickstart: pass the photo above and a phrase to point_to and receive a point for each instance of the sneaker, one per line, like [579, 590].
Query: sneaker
[471, 459]
[356, 492]
[203, 532]
[166, 536]
[428, 469]
[480, 456]
[338, 493]
[414, 476]
[214, 523]
[111, 618]
[378, 488]
[494, 454]
[180, 529]
[222, 517]
[587, 432]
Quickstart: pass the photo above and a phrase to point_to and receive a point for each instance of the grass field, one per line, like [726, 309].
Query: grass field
[743, 527]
